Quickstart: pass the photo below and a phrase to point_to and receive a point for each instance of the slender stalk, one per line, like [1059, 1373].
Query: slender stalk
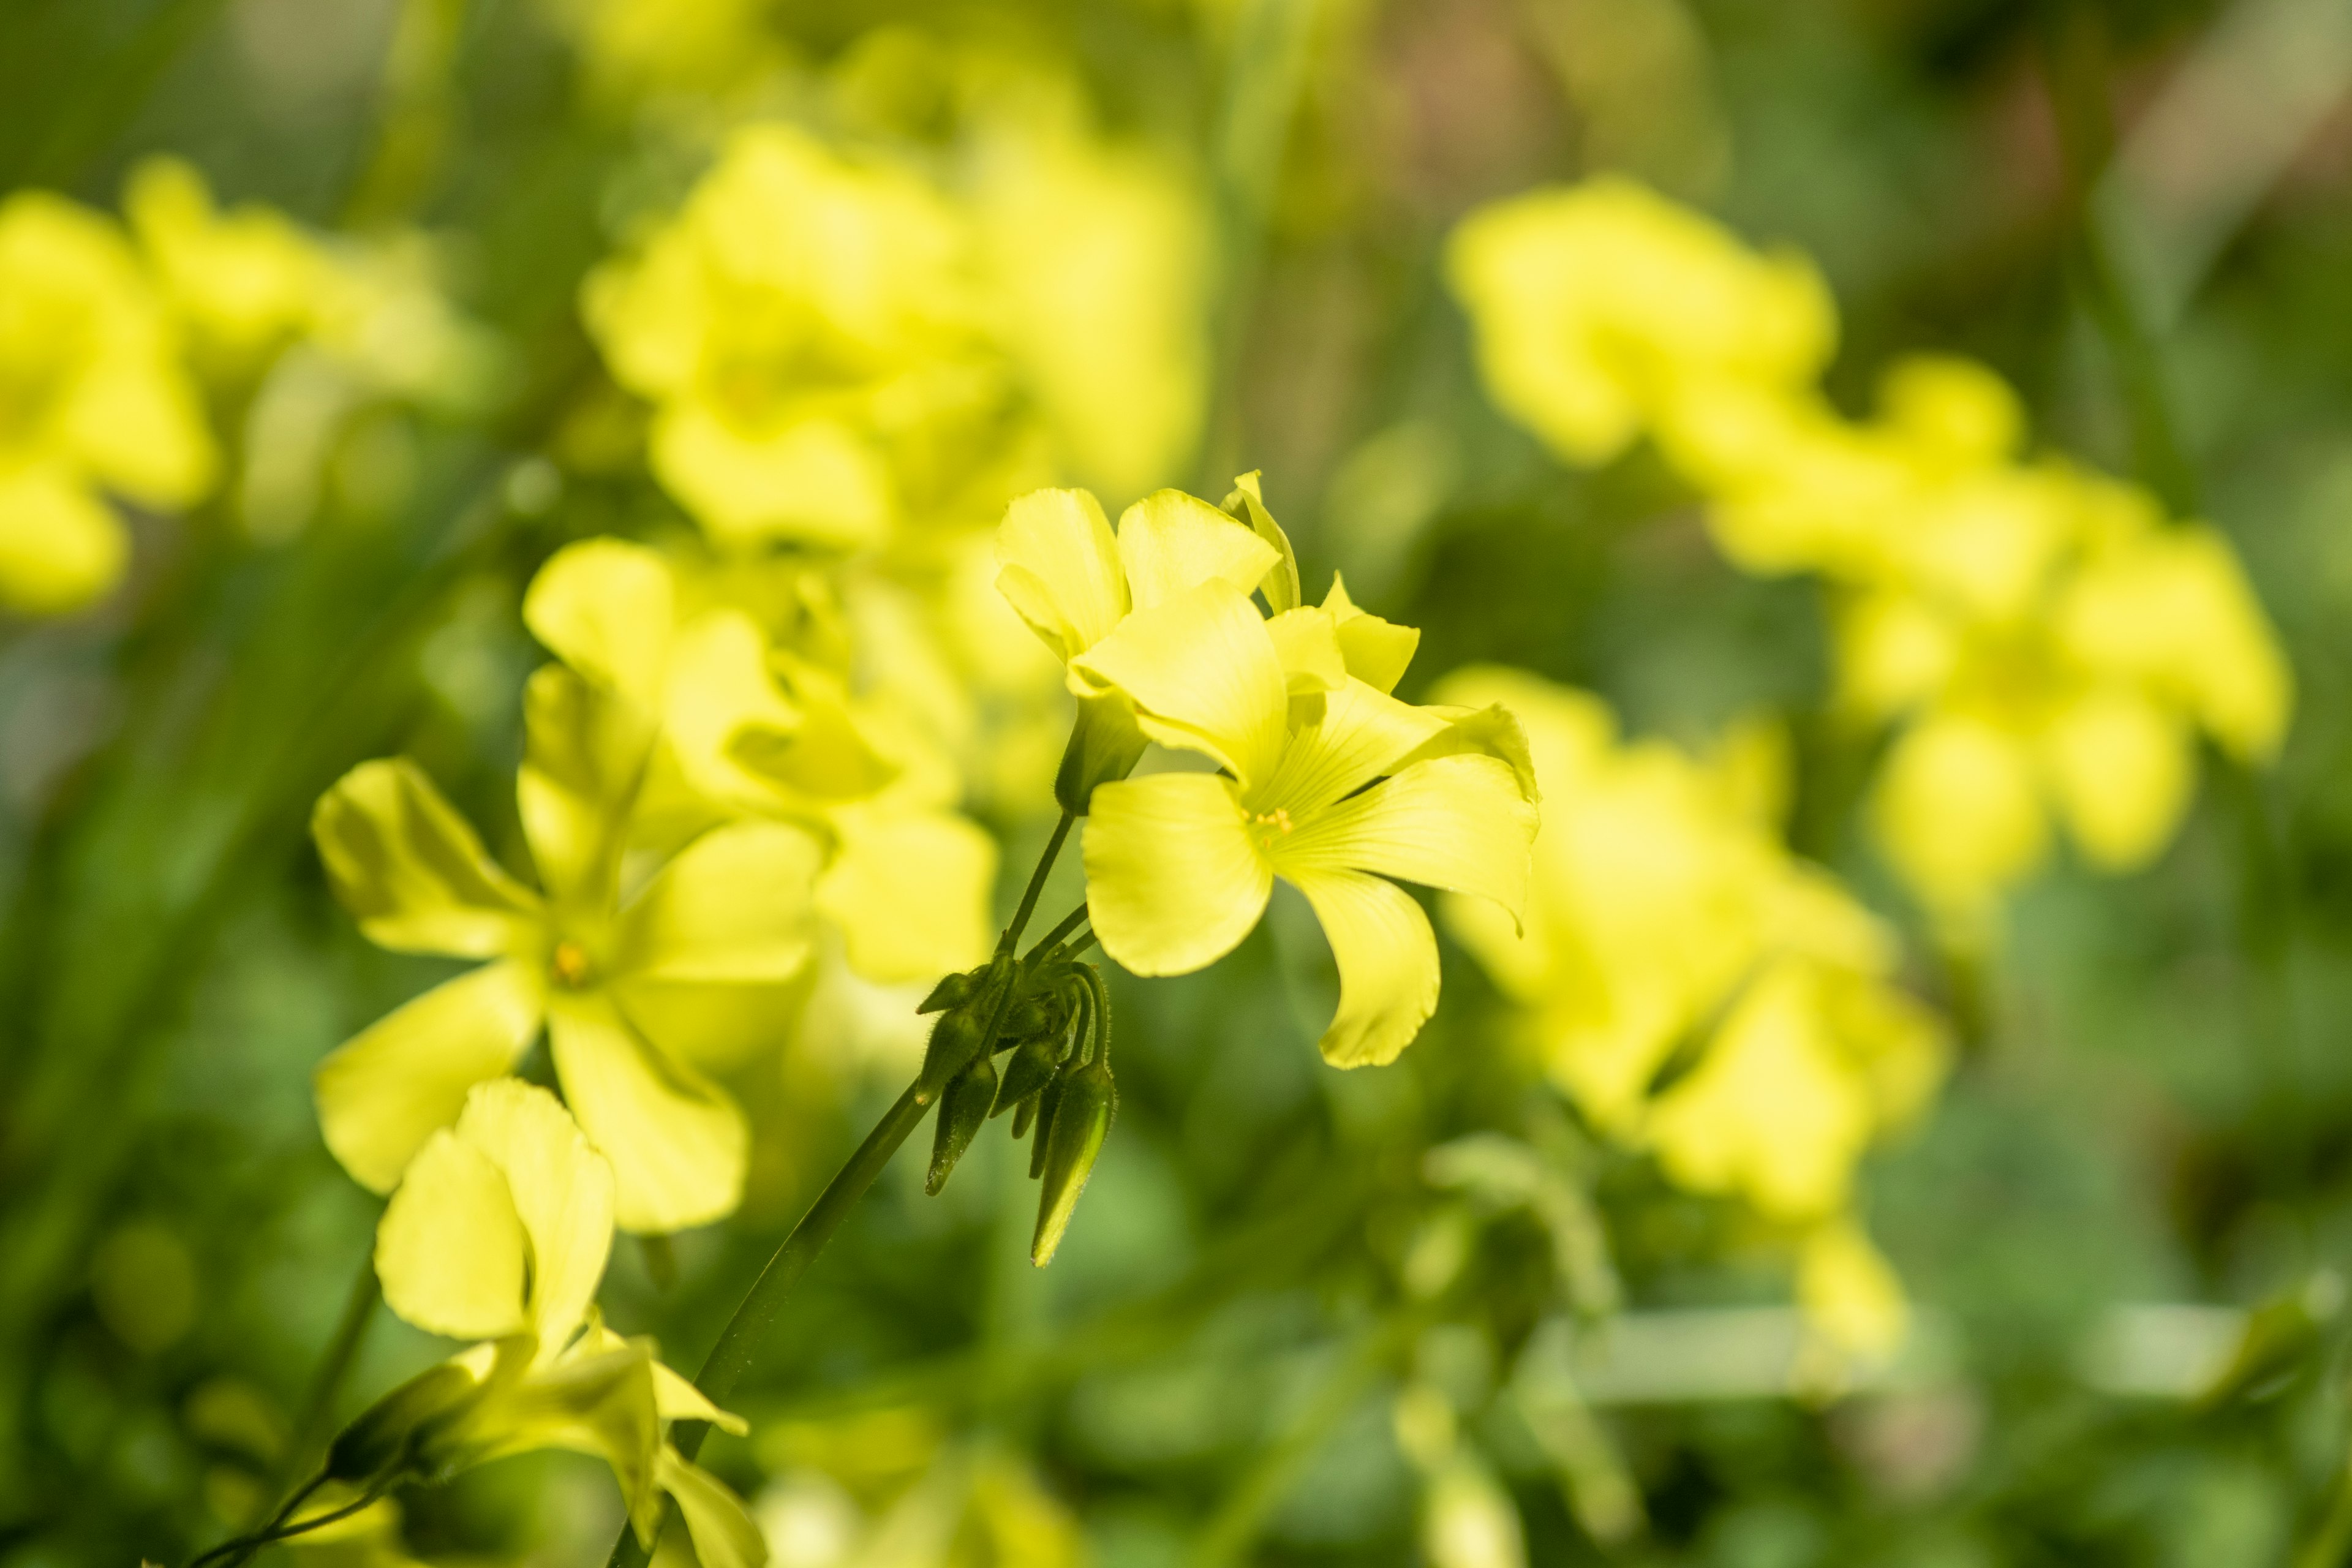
[1036, 883]
[748, 1329]
[1045, 950]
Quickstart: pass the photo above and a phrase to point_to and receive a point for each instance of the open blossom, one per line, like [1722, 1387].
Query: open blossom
[1335, 793]
[1663, 913]
[736, 727]
[500, 1232]
[571, 957]
[95, 402]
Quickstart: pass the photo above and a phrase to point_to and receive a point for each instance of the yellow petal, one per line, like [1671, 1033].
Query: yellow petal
[719, 1028]
[1174, 881]
[450, 1249]
[2121, 769]
[677, 1142]
[1850, 1293]
[1772, 1111]
[60, 546]
[679, 1400]
[910, 892]
[392, 1084]
[402, 861]
[139, 426]
[734, 905]
[1378, 652]
[1202, 674]
[1061, 569]
[606, 607]
[1459, 823]
[1308, 642]
[720, 689]
[1248, 504]
[1957, 811]
[1895, 652]
[724, 1535]
[1388, 964]
[562, 1190]
[600, 1402]
[1359, 734]
[584, 756]
[1170, 542]
[807, 481]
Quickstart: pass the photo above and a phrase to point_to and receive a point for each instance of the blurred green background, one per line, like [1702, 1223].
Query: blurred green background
[2148, 1131]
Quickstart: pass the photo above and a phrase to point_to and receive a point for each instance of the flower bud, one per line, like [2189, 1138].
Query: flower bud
[954, 990]
[962, 1033]
[1024, 1111]
[387, 1437]
[1029, 1068]
[1046, 1100]
[1082, 1117]
[963, 1111]
[1104, 745]
[1029, 1018]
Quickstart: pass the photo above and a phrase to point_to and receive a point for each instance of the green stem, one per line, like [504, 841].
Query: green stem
[1045, 950]
[748, 1329]
[1036, 883]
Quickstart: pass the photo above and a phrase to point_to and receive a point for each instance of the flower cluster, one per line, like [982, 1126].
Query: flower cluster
[1670, 939]
[126, 353]
[2047, 642]
[1314, 772]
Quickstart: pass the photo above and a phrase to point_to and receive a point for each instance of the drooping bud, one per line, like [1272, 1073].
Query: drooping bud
[962, 1033]
[1046, 1101]
[963, 1109]
[387, 1437]
[954, 990]
[1028, 1069]
[1024, 1111]
[1082, 1118]
[1104, 745]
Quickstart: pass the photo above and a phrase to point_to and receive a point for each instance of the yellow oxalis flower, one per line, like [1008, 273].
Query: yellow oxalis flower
[736, 727]
[1602, 311]
[1661, 907]
[800, 323]
[2066, 672]
[601, 972]
[1359, 788]
[246, 282]
[93, 401]
[499, 1231]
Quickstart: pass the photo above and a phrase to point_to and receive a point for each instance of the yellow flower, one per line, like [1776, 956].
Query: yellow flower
[246, 282]
[737, 728]
[1662, 910]
[599, 971]
[1361, 788]
[1602, 311]
[800, 323]
[1850, 1293]
[499, 1231]
[2054, 654]
[93, 400]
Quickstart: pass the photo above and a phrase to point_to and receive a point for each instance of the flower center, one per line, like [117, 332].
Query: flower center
[570, 962]
[1271, 825]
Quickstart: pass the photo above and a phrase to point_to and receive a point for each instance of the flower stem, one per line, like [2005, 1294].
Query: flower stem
[1036, 883]
[1044, 951]
[747, 1331]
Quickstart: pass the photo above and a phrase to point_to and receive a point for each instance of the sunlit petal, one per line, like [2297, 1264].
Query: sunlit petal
[606, 607]
[909, 891]
[1173, 880]
[1361, 734]
[562, 1190]
[1388, 964]
[1458, 823]
[724, 1535]
[403, 860]
[1169, 541]
[1203, 673]
[450, 1249]
[584, 756]
[1061, 569]
[677, 1142]
[734, 905]
[387, 1090]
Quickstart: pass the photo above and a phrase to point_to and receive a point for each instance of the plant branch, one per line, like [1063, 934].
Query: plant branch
[1036, 883]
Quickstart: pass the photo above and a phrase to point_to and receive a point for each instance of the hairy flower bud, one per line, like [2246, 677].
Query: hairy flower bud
[1028, 1069]
[963, 1109]
[954, 990]
[389, 1436]
[1082, 1118]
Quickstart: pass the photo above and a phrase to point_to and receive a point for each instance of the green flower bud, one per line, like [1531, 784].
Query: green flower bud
[1024, 1111]
[1082, 1117]
[389, 1436]
[962, 1033]
[1104, 746]
[962, 1111]
[1030, 1017]
[1046, 1101]
[1029, 1068]
[954, 990]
